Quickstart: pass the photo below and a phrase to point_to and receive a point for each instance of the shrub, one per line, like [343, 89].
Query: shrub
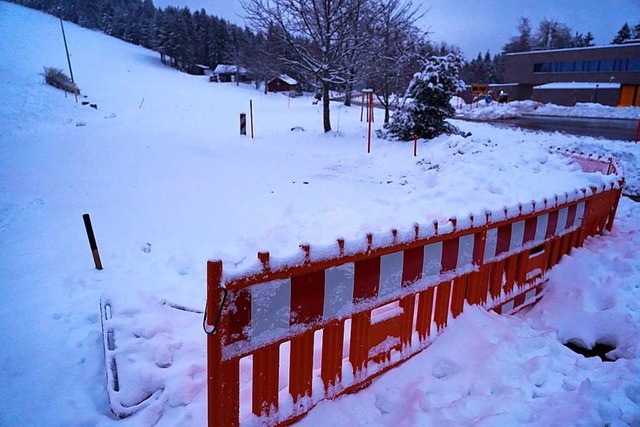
[57, 78]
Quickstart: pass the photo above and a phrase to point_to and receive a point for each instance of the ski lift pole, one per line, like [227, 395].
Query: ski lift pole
[64, 37]
[251, 116]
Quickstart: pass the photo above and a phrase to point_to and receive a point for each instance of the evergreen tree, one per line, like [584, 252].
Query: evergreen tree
[426, 104]
[498, 67]
[623, 34]
[636, 31]
[583, 40]
[521, 42]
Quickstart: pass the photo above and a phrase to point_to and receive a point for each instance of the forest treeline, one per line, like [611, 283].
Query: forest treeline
[187, 38]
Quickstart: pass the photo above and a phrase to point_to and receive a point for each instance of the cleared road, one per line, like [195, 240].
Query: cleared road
[604, 128]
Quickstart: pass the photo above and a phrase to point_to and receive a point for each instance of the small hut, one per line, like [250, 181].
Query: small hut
[282, 83]
[230, 73]
[198, 70]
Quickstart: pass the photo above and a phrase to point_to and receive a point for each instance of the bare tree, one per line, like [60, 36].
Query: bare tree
[322, 37]
[398, 47]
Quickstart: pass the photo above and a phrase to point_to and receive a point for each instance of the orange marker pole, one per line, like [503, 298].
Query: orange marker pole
[370, 120]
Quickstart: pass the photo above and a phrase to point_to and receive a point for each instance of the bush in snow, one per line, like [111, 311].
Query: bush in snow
[425, 107]
[57, 78]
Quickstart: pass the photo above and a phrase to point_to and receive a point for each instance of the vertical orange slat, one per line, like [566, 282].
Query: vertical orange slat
[471, 291]
[223, 378]
[265, 379]
[408, 305]
[441, 314]
[566, 247]
[581, 235]
[510, 266]
[614, 209]
[331, 367]
[301, 365]
[459, 292]
[547, 254]
[522, 268]
[497, 271]
[425, 307]
[573, 240]
[483, 284]
[555, 251]
[359, 341]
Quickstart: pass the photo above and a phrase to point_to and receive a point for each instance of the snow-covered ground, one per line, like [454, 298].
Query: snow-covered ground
[170, 183]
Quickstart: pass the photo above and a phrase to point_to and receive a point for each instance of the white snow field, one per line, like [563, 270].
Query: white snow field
[170, 184]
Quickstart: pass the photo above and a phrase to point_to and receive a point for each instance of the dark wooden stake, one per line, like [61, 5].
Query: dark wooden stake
[92, 241]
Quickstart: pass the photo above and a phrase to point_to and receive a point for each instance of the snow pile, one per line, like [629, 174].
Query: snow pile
[170, 183]
[515, 109]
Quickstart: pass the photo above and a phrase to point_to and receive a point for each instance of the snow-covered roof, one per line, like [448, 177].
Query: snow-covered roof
[287, 79]
[229, 69]
[578, 85]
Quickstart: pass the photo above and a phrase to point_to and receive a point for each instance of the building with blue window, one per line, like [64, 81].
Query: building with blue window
[608, 75]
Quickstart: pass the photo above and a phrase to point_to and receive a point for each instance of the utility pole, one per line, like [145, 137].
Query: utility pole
[64, 37]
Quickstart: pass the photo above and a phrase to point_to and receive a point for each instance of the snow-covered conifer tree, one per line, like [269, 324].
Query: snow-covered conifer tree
[426, 104]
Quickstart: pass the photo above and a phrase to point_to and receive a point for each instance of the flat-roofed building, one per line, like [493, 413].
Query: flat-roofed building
[608, 75]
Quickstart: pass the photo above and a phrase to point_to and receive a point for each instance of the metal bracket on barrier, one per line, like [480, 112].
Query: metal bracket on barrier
[211, 329]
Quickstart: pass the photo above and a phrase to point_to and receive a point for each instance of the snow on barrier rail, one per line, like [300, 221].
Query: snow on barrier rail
[283, 338]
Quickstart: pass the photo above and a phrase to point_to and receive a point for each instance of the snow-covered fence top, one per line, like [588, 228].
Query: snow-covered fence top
[324, 323]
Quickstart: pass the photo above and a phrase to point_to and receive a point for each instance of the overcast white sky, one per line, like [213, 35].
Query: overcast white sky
[481, 25]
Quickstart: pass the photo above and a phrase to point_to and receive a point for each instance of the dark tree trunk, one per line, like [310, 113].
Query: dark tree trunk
[326, 113]
[387, 107]
[347, 95]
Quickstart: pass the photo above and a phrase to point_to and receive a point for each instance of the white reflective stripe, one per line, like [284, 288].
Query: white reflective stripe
[507, 307]
[562, 220]
[517, 235]
[270, 306]
[579, 214]
[465, 250]
[390, 273]
[432, 261]
[541, 227]
[490, 244]
[529, 295]
[338, 290]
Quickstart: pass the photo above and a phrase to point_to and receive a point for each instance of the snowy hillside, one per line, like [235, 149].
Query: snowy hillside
[170, 183]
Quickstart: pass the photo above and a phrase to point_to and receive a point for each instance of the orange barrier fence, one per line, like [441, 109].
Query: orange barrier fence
[291, 334]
